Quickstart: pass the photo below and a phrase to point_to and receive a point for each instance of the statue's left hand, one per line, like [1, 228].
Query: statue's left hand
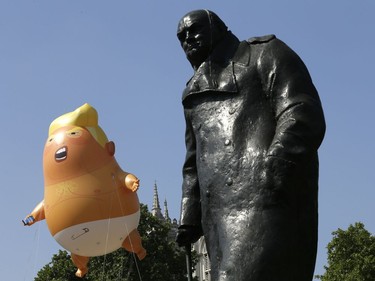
[188, 234]
[279, 171]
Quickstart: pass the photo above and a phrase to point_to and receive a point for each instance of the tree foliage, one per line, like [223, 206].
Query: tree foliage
[59, 269]
[164, 260]
[351, 255]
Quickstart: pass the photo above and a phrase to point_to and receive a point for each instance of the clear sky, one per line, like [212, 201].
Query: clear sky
[123, 58]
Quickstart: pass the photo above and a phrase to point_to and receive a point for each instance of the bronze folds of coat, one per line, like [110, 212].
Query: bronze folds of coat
[254, 123]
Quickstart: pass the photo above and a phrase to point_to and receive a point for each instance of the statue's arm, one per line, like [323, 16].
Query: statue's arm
[190, 203]
[190, 228]
[300, 124]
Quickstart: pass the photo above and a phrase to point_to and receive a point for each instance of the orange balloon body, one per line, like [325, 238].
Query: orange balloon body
[85, 194]
[90, 204]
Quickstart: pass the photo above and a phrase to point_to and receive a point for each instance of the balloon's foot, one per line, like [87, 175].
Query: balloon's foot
[141, 254]
[81, 263]
[81, 272]
[133, 243]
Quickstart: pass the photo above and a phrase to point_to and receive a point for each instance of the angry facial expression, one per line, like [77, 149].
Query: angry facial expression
[72, 151]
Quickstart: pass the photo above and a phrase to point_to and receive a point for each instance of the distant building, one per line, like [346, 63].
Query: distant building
[156, 211]
[202, 269]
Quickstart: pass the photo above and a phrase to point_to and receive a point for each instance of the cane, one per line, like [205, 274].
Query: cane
[188, 262]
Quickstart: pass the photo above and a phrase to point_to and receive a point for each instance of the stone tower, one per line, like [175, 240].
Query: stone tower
[156, 210]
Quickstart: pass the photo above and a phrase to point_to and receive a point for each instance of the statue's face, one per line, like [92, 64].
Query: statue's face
[196, 36]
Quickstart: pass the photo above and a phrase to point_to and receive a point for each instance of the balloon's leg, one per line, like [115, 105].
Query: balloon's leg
[133, 243]
[81, 263]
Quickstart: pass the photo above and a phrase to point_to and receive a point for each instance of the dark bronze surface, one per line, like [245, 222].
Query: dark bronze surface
[254, 123]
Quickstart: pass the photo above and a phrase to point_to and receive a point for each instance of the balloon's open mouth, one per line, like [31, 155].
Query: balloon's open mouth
[61, 154]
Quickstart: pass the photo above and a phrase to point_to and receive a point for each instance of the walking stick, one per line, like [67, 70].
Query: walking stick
[188, 262]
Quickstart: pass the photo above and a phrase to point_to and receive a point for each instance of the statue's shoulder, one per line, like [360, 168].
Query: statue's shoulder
[261, 39]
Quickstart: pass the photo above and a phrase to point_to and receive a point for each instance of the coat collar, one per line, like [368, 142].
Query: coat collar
[217, 72]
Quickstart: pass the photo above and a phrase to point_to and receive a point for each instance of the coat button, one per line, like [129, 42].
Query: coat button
[229, 181]
[227, 142]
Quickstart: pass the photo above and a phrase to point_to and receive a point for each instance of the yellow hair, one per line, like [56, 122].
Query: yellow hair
[84, 116]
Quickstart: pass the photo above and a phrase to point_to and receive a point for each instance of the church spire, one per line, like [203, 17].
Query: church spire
[156, 210]
[166, 215]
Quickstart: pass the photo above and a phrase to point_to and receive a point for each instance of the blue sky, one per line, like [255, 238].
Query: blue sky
[123, 58]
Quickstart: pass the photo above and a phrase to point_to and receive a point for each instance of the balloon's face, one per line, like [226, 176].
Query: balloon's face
[70, 152]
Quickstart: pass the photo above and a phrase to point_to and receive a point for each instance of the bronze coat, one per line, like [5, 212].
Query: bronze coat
[254, 123]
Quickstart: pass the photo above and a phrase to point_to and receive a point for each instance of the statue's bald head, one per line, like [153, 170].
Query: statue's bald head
[199, 32]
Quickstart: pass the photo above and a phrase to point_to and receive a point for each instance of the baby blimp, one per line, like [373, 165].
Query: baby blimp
[90, 204]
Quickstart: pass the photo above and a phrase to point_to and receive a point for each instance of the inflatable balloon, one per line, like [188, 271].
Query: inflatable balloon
[90, 204]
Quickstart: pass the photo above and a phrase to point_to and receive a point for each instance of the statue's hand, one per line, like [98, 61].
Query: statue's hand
[279, 171]
[278, 182]
[188, 234]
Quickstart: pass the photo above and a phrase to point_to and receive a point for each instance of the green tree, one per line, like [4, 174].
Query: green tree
[164, 260]
[60, 268]
[351, 255]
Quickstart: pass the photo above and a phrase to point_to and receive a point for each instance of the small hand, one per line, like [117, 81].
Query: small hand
[132, 182]
[187, 235]
[279, 171]
[28, 221]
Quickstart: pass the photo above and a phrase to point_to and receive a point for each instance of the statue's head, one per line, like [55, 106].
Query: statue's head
[199, 32]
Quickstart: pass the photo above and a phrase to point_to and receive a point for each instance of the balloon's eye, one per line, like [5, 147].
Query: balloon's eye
[50, 140]
[74, 134]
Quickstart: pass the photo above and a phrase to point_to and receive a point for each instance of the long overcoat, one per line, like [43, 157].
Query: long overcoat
[254, 123]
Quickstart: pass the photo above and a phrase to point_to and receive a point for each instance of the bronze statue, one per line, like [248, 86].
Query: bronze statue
[254, 123]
